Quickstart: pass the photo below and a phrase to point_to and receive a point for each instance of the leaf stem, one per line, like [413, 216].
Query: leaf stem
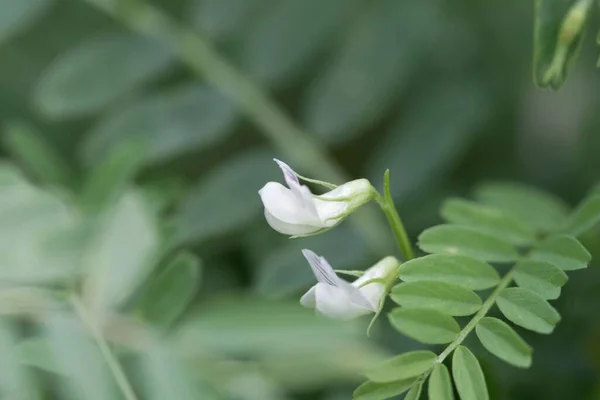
[485, 307]
[113, 363]
[386, 202]
[197, 53]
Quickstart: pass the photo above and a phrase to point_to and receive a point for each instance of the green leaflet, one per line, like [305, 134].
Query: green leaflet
[404, 366]
[426, 326]
[37, 154]
[562, 251]
[585, 216]
[122, 253]
[462, 240]
[503, 342]
[444, 297]
[36, 352]
[17, 16]
[168, 294]
[488, 220]
[109, 179]
[170, 124]
[382, 391]
[540, 210]
[83, 80]
[440, 384]
[540, 277]
[463, 271]
[415, 392]
[468, 376]
[528, 310]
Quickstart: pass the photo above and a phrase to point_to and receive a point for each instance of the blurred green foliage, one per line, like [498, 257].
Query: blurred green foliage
[129, 183]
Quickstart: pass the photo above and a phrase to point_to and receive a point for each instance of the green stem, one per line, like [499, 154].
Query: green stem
[111, 360]
[485, 307]
[300, 148]
[391, 213]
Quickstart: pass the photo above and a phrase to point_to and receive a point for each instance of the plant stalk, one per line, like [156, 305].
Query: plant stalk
[111, 360]
[485, 307]
[395, 222]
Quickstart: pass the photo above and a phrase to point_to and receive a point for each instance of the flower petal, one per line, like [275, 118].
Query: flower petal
[321, 268]
[288, 173]
[309, 299]
[288, 229]
[306, 198]
[285, 206]
[334, 302]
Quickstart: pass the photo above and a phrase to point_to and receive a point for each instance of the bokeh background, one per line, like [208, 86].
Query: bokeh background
[136, 131]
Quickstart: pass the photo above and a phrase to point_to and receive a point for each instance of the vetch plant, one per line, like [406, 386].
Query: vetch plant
[506, 224]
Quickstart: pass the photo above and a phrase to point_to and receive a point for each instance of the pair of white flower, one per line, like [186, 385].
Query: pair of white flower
[296, 211]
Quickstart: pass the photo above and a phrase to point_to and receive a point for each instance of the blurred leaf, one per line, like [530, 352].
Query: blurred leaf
[557, 39]
[426, 326]
[415, 392]
[37, 353]
[440, 296]
[462, 240]
[440, 384]
[227, 198]
[562, 251]
[463, 271]
[288, 35]
[162, 192]
[285, 271]
[468, 377]
[179, 121]
[263, 329]
[252, 384]
[34, 226]
[98, 72]
[224, 20]
[109, 179]
[15, 381]
[503, 342]
[430, 136]
[16, 16]
[122, 252]
[375, 64]
[382, 391]
[404, 366]
[540, 277]
[488, 220]
[168, 294]
[36, 154]
[528, 310]
[71, 347]
[542, 211]
[585, 217]
[312, 369]
[163, 376]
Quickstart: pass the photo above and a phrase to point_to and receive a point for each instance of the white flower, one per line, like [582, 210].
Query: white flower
[336, 298]
[294, 210]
